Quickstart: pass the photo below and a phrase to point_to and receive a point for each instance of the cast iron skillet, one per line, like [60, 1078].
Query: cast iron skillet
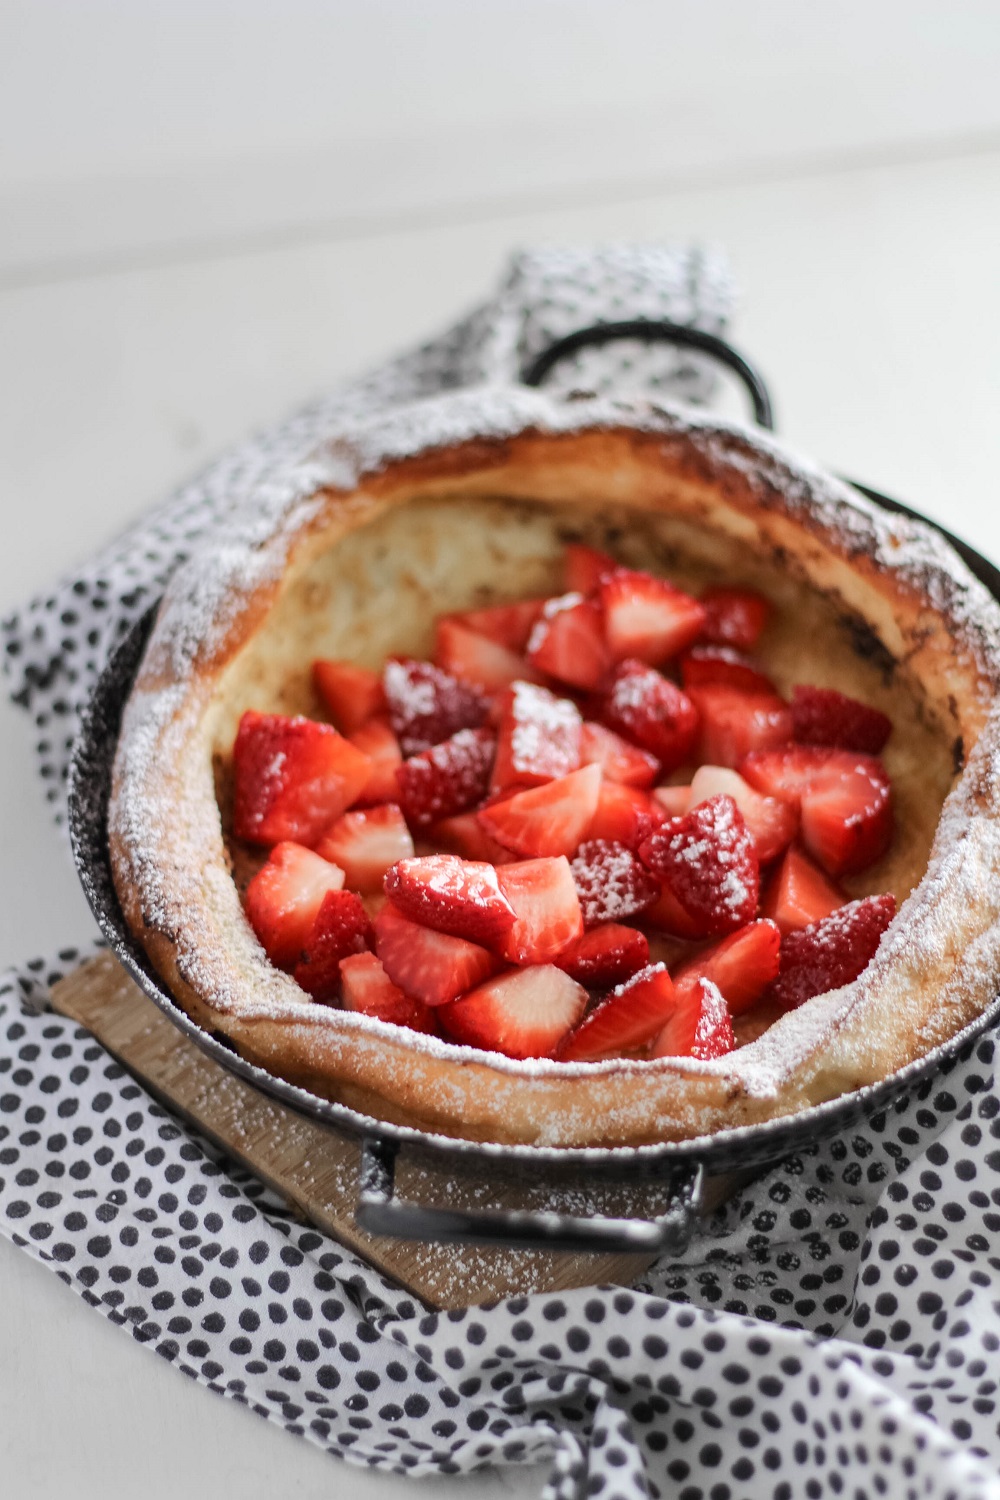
[678, 1167]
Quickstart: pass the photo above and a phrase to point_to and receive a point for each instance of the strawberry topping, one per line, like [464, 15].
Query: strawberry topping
[707, 859]
[381, 746]
[476, 658]
[741, 966]
[625, 815]
[734, 722]
[546, 909]
[631, 1015]
[821, 716]
[611, 882]
[700, 1025]
[427, 705]
[509, 624]
[721, 664]
[292, 777]
[832, 951]
[568, 642]
[452, 895]
[351, 694]
[585, 567]
[773, 822]
[284, 897]
[448, 778]
[799, 893]
[433, 966]
[647, 708]
[619, 761]
[545, 820]
[367, 988]
[538, 738]
[845, 800]
[605, 956]
[523, 1013]
[734, 617]
[365, 843]
[646, 617]
[341, 927]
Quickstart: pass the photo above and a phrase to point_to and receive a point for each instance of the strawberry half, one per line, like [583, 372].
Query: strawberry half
[605, 956]
[284, 897]
[611, 882]
[721, 664]
[619, 761]
[845, 800]
[741, 966]
[799, 893]
[433, 966]
[538, 738]
[523, 1013]
[646, 617]
[651, 711]
[341, 927]
[546, 909]
[427, 705]
[630, 1016]
[351, 694]
[448, 778]
[707, 859]
[452, 895]
[700, 1025]
[821, 716]
[734, 617]
[773, 822]
[667, 915]
[292, 777]
[734, 723]
[568, 643]
[476, 658]
[548, 820]
[367, 989]
[625, 815]
[509, 624]
[365, 843]
[465, 836]
[585, 567]
[832, 951]
[381, 746]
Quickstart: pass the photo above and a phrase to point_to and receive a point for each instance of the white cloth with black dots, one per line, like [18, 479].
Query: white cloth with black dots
[833, 1330]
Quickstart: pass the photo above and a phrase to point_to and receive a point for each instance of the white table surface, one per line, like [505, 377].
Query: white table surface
[871, 301]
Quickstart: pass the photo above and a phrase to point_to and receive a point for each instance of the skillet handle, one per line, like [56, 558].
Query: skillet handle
[378, 1211]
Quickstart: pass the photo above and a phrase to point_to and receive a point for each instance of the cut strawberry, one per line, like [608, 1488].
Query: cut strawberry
[465, 835]
[585, 567]
[651, 711]
[381, 746]
[433, 966]
[707, 859]
[368, 990]
[631, 1016]
[548, 820]
[447, 779]
[538, 738]
[647, 618]
[341, 927]
[832, 951]
[523, 1013]
[845, 799]
[427, 705]
[352, 694]
[284, 898]
[700, 1025]
[546, 909]
[611, 882]
[452, 895]
[734, 617]
[568, 642]
[721, 664]
[509, 624]
[667, 915]
[619, 761]
[735, 723]
[292, 778]
[799, 893]
[625, 815]
[674, 800]
[365, 843]
[605, 956]
[823, 717]
[475, 658]
[773, 822]
[741, 966]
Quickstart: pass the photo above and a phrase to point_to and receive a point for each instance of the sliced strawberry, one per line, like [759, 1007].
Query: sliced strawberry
[773, 822]
[368, 989]
[427, 705]
[284, 897]
[365, 843]
[646, 617]
[668, 915]
[605, 956]
[448, 778]
[292, 778]
[538, 738]
[799, 893]
[721, 664]
[465, 835]
[381, 746]
[735, 723]
[452, 895]
[845, 799]
[651, 711]
[568, 642]
[352, 694]
[509, 624]
[475, 658]
[734, 617]
[674, 800]
[707, 859]
[341, 927]
[700, 1025]
[832, 951]
[625, 815]
[523, 1013]
[823, 717]
[619, 761]
[741, 966]
[433, 966]
[585, 567]
[611, 882]
[548, 820]
[546, 909]
[631, 1016]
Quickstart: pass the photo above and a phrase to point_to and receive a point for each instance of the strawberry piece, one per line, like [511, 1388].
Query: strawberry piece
[475, 658]
[741, 966]
[452, 895]
[700, 1025]
[773, 822]
[368, 990]
[845, 799]
[568, 642]
[427, 705]
[352, 695]
[433, 966]
[831, 952]
[624, 815]
[585, 567]
[646, 617]
[547, 820]
[707, 859]
[721, 664]
[799, 893]
[284, 897]
[734, 617]
[465, 835]
[365, 843]
[446, 779]
[538, 738]
[509, 624]
[668, 915]
[292, 778]
[523, 1013]
[605, 956]
[381, 746]
[735, 723]
[619, 761]
[546, 909]
[630, 1016]
[611, 882]
[821, 716]
[674, 800]
[651, 711]
[341, 927]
